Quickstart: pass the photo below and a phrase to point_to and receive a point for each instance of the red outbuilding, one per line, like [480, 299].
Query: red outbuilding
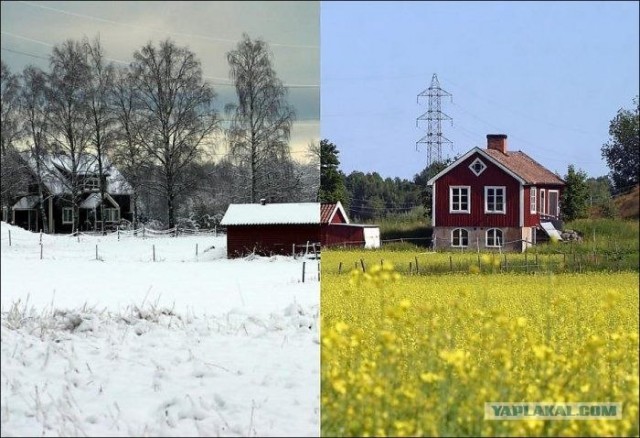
[493, 198]
[336, 229]
[268, 229]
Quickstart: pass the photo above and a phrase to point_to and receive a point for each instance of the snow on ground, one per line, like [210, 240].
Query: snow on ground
[186, 345]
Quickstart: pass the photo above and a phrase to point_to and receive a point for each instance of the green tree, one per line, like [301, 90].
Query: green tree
[420, 179]
[332, 188]
[622, 151]
[575, 197]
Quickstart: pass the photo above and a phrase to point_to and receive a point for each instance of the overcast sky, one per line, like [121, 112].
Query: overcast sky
[209, 29]
[550, 75]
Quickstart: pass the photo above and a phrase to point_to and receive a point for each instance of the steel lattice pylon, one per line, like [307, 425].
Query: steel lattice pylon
[434, 117]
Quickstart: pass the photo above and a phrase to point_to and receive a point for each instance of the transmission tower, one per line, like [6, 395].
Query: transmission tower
[434, 117]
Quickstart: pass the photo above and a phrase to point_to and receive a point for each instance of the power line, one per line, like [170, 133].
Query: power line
[204, 37]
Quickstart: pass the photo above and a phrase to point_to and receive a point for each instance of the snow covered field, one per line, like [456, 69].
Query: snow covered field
[186, 345]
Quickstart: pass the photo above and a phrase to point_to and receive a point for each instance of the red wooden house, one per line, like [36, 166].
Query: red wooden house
[493, 198]
[336, 229]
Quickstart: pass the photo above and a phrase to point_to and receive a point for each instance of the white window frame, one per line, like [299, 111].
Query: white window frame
[92, 183]
[533, 200]
[64, 210]
[486, 199]
[115, 212]
[543, 202]
[477, 160]
[460, 241]
[495, 238]
[468, 189]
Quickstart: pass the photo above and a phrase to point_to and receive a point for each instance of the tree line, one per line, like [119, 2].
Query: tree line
[155, 119]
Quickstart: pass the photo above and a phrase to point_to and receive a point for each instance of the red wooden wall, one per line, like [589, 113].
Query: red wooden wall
[268, 239]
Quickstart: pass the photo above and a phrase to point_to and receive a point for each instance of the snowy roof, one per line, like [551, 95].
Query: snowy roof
[93, 200]
[26, 203]
[54, 167]
[272, 214]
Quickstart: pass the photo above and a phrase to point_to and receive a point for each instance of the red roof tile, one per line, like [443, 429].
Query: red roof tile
[326, 210]
[525, 167]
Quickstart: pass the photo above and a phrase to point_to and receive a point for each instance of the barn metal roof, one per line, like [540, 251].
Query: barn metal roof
[301, 213]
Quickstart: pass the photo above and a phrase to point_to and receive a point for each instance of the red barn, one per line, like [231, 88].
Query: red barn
[493, 198]
[267, 229]
[336, 230]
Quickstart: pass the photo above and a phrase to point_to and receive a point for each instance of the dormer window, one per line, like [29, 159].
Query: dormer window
[477, 167]
[91, 183]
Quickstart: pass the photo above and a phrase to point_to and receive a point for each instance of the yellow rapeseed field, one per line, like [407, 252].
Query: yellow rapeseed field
[420, 355]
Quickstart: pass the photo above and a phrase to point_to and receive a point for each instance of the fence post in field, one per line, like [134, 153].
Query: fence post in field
[196, 250]
[154, 253]
[417, 269]
[41, 236]
[9, 237]
[410, 268]
[215, 231]
[315, 252]
[450, 264]
[536, 258]
[340, 268]
[479, 266]
[293, 250]
[41, 251]
[526, 261]
[506, 264]
[118, 228]
[303, 268]
[362, 264]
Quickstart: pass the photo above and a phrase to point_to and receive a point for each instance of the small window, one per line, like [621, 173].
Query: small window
[494, 200]
[459, 201]
[112, 214]
[532, 199]
[477, 167]
[543, 203]
[67, 215]
[494, 238]
[91, 183]
[460, 238]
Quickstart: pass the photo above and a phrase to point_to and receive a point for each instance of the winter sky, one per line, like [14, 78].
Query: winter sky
[209, 29]
[550, 75]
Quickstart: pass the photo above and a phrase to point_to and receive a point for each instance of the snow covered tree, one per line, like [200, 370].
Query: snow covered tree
[10, 172]
[261, 122]
[176, 107]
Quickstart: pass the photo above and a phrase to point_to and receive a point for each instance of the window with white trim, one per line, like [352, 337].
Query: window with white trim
[111, 214]
[543, 204]
[459, 199]
[92, 183]
[477, 167]
[493, 238]
[67, 215]
[533, 202]
[494, 199]
[459, 238]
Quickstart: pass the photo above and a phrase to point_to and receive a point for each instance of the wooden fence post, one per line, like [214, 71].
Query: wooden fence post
[340, 268]
[9, 237]
[450, 264]
[41, 251]
[154, 252]
[118, 228]
[196, 250]
[362, 264]
[410, 267]
[303, 268]
[417, 269]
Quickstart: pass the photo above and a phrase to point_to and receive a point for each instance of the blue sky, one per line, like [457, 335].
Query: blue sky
[550, 75]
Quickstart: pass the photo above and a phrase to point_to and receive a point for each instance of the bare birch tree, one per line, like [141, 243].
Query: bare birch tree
[69, 128]
[10, 131]
[261, 120]
[99, 88]
[176, 105]
[33, 103]
[129, 153]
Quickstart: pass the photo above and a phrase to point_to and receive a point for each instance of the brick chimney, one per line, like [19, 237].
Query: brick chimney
[497, 142]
